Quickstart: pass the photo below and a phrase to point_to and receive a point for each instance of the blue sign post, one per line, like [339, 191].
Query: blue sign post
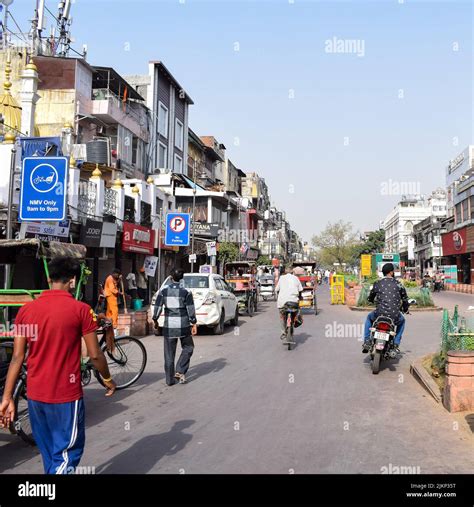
[43, 189]
[177, 229]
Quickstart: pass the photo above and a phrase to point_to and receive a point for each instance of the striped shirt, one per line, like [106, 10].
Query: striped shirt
[180, 313]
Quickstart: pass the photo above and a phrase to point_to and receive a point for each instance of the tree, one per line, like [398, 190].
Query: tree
[374, 243]
[228, 252]
[336, 243]
[264, 260]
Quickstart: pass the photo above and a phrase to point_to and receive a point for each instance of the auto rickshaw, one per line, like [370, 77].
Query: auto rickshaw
[241, 276]
[305, 273]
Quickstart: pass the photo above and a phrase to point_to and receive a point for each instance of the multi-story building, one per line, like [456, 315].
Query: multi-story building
[400, 222]
[169, 104]
[458, 241]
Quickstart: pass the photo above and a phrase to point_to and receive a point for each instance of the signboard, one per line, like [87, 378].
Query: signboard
[137, 238]
[211, 248]
[98, 234]
[450, 273]
[151, 262]
[206, 268]
[454, 242]
[366, 265]
[109, 235]
[177, 229]
[91, 233]
[205, 229]
[58, 231]
[43, 189]
[192, 258]
[383, 258]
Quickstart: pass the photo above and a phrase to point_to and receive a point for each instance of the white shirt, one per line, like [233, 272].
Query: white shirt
[288, 289]
[132, 284]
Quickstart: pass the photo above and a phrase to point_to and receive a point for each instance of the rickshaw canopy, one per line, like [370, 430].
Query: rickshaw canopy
[10, 249]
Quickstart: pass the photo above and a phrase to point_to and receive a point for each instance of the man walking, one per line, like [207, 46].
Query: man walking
[111, 291]
[180, 322]
[52, 326]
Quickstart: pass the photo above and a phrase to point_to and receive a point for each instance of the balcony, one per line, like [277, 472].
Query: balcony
[109, 108]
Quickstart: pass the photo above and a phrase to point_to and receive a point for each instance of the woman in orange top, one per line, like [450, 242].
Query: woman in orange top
[111, 294]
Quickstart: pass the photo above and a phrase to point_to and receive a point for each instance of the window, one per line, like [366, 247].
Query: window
[162, 156]
[178, 164]
[218, 283]
[472, 206]
[179, 135]
[464, 210]
[163, 120]
[458, 214]
[196, 282]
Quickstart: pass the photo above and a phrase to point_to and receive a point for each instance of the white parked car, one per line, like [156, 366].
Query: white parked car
[214, 300]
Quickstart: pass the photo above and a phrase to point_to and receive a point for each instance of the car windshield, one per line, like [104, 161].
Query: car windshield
[196, 282]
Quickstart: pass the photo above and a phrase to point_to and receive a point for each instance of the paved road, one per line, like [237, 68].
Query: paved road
[252, 406]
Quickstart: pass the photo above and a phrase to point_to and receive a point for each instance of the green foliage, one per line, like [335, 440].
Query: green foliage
[264, 260]
[409, 284]
[374, 243]
[228, 252]
[422, 296]
[336, 243]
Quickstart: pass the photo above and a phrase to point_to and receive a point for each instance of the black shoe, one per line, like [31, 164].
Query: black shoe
[365, 348]
[396, 348]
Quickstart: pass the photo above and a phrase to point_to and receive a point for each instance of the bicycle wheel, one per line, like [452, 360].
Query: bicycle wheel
[22, 422]
[126, 363]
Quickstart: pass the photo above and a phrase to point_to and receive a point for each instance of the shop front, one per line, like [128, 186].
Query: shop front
[458, 250]
[100, 240]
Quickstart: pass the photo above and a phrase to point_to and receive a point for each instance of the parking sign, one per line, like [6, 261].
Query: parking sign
[177, 229]
[43, 189]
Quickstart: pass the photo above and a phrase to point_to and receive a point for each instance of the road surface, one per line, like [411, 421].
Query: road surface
[252, 406]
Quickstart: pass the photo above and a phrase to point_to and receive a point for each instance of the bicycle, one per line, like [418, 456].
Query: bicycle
[20, 425]
[126, 360]
[120, 361]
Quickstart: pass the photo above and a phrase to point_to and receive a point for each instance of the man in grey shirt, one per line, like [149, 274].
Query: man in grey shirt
[289, 289]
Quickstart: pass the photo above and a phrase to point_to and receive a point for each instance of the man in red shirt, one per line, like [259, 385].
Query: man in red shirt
[52, 327]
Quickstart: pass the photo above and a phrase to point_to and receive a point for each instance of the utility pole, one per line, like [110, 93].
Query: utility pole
[192, 215]
[9, 231]
[158, 269]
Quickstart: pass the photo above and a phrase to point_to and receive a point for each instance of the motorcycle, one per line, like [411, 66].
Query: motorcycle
[382, 336]
[438, 285]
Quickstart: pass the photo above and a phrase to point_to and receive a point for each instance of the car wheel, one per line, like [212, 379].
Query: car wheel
[219, 329]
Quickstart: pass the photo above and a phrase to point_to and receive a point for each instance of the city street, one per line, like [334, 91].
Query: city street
[252, 406]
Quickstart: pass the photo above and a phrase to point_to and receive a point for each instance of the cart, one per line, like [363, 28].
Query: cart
[11, 250]
[241, 276]
[305, 273]
[266, 287]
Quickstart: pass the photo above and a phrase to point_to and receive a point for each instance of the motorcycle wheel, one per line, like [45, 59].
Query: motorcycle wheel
[376, 362]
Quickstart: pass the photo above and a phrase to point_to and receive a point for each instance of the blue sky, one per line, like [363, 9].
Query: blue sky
[325, 130]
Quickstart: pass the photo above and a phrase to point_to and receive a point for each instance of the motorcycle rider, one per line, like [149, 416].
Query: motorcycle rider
[389, 296]
[289, 290]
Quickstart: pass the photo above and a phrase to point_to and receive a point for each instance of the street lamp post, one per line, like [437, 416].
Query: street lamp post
[192, 216]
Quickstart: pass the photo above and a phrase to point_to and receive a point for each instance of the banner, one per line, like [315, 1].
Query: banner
[150, 265]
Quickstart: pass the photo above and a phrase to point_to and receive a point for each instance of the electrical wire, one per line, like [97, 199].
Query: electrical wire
[14, 21]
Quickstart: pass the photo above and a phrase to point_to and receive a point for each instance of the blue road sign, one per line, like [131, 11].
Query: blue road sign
[43, 189]
[177, 229]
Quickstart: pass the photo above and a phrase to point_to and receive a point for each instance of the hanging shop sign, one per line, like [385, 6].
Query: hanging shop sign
[109, 235]
[97, 234]
[211, 248]
[205, 229]
[91, 233]
[150, 264]
[55, 231]
[137, 238]
[454, 242]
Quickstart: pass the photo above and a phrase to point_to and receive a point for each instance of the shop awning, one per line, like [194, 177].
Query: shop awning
[11, 248]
